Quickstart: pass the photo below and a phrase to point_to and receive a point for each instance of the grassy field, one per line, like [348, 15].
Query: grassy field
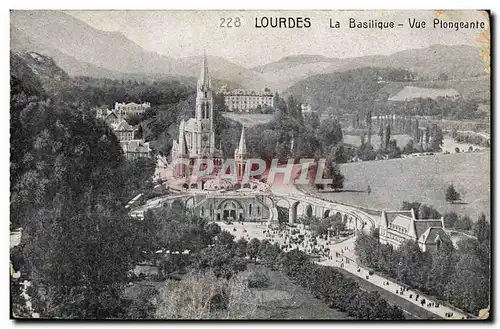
[280, 299]
[283, 299]
[422, 179]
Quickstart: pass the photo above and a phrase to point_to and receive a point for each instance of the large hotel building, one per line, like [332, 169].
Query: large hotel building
[244, 100]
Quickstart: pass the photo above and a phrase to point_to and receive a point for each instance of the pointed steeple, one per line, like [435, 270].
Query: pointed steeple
[182, 145]
[242, 148]
[204, 80]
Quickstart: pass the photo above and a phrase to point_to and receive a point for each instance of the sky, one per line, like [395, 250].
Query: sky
[187, 33]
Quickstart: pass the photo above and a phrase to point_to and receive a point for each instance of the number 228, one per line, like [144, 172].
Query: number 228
[230, 22]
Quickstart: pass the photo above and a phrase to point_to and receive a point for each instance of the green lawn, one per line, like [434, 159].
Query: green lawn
[422, 179]
[283, 299]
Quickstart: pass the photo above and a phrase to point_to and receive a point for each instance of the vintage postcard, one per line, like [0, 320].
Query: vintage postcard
[251, 164]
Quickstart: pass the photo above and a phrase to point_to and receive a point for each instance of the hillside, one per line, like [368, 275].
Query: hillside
[348, 89]
[72, 37]
[39, 73]
[291, 61]
[358, 90]
[456, 62]
[222, 70]
[423, 179]
[20, 42]
[82, 50]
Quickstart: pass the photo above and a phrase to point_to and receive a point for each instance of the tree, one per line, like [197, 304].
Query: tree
[394, 150]
[409, 147]
[450, 220]
[451, 194]
[226, 239]
[205, 296]
[428, 212]
[330, 133]
[213, 229]
[333, 173]
[443, 263]
[253, 248]
[436, 134]
[241, 247]
[220, 103]
[412, 205]
[337, 226]
[263, 248]
[387, 137]
[283, 214]
[443, 76]
[464, 223]
[482, 229]
[469, 286]
[133, 119]
[381, 136]
[220, 260]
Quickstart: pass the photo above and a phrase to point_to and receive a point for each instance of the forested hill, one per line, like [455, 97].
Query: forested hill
[370, 88]
[348, 89]
[38, 73]
[69, 184]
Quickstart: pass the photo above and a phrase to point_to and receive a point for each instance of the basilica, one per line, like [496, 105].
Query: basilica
[197, 141]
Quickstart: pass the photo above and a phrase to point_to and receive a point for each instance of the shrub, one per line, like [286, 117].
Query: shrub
[259, 280]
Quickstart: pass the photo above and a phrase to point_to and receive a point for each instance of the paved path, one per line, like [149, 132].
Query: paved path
[346, 250]
[393, 288]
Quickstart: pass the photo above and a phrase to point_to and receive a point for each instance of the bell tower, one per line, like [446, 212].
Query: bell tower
[204, 110]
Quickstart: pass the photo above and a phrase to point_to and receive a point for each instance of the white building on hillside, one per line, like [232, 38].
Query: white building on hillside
[131, 108]
[244, 100]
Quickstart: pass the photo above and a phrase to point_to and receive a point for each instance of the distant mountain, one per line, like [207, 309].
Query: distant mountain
[454, 62]
[80, 49]
[291, 61]
[20, 42]
[108, 50]
[223, 70]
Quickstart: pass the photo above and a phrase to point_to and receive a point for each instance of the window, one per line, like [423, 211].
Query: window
[250, 210]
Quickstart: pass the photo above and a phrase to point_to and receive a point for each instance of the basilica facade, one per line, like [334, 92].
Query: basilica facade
[196, 142]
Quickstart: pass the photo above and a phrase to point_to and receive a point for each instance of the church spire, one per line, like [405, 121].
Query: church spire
[242, 148]
[204, 80]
